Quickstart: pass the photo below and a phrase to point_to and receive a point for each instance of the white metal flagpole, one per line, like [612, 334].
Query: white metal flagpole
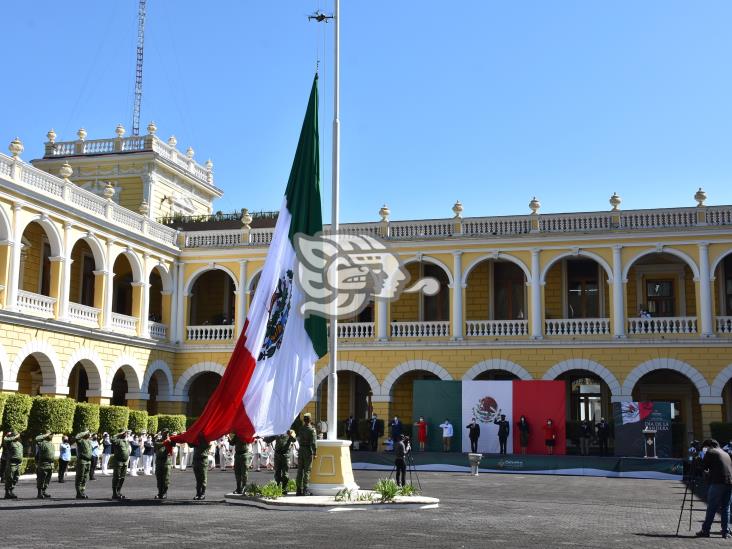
[333, 376]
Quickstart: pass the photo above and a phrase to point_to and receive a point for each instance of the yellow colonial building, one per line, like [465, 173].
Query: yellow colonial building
[118, 284]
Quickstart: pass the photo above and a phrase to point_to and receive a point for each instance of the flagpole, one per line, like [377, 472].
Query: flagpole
[334, 224]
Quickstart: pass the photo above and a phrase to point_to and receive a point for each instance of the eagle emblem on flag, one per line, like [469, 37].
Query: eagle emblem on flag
[279, 311]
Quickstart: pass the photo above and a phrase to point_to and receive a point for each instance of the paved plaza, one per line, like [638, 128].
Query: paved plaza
[493, 510]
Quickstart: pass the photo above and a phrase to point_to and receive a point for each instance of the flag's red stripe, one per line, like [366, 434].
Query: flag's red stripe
[225, 412]
[539, 400]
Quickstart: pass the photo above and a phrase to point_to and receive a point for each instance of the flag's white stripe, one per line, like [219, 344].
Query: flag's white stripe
[282, 385]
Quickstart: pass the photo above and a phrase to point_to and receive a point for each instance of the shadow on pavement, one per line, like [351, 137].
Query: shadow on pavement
[59, 504]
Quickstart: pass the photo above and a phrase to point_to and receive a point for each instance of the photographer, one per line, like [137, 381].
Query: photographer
[401, 449]
[718, 467]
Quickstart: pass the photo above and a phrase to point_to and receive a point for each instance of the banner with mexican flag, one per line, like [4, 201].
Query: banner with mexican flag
[270, 375]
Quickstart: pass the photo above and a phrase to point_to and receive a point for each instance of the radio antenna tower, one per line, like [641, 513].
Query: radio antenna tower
[138, 68]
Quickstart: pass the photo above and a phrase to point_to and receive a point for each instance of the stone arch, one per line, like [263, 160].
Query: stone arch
[578, 253]
[255, 276]
[440, 264]
[667, 363]
[497, 257]
[585, 364]
[720, 381]
[5, 225]
[159, 366]
[210, 267]
[47, 359]
[165, 276]
[96, 247]
[497, 364]
[51, 231]
[131, 368]
[5, 366]
[716, 262]
[135, 264]
[671, 251]
[185, 380]
[351, 366]
[410, 366]
[92, 365]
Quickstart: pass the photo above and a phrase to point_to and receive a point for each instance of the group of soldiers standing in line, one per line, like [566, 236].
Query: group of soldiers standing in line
[45, 455]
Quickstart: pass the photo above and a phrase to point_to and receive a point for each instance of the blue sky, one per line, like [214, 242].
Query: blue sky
[483, 101]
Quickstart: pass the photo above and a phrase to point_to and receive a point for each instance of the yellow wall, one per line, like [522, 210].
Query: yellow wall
[32, 253]
[477, 294]
[406, 308]
[553, 292]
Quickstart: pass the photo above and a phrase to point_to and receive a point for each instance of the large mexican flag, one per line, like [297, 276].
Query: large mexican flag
[270, 375]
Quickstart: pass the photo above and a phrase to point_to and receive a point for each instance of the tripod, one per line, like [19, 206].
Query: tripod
[691, 484]
[409, 460]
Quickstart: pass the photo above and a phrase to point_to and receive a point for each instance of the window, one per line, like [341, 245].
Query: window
[508, 291]
[728, 285]
[583, 289]
[436, 307]
[46, 270]
[660, 297]
[586, 399]
[87, 281]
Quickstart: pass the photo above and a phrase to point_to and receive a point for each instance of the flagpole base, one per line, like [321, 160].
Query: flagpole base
[332, 470]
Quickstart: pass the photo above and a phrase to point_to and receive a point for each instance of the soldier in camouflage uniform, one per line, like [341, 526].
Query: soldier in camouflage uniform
[45, 453]
[200, 467]
[163, 463]
[120, 453]
[83, 463]
[307, 452]
[281, 458]
[13, 452]
[242, 461]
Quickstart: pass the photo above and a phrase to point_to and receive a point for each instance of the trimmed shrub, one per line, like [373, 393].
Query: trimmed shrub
[137, 422]
[190, 421]
[86, 416]
[15, 415]
[173, 423]
[51, 414]
[113, 419]
[152, 424]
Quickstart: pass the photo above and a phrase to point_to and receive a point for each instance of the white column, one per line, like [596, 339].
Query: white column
[180, 300]
[109, 287]
[618, 297]
[382, 310]
[241, 296]
[14, 267]
[63, 305]
[705, 291]
[536, 316]
[458, 323]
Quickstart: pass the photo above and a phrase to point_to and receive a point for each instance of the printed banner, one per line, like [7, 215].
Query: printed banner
[486, 401]
[540, 401]
[631, 418]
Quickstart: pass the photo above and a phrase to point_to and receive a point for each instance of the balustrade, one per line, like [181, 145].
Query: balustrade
[157, 330]
[724, 324]
[438, 328]
[356, 330]
[83, 314]
[124, 323]
[210, 333]
[577, 326]
[496, 328]
[35, 304]
[662, 325]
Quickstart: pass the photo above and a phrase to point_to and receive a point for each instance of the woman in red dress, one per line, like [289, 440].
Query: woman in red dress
[421, 433]
[550, 436]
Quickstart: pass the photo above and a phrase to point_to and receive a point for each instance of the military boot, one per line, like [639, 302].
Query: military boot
[40, 494]
[46, 495]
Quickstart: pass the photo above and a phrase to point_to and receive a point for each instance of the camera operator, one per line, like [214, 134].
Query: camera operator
[401, 449]
[718, 467]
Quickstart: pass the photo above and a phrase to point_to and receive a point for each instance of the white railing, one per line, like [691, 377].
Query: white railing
[124, 323]
[408, 230]
[84, 314]
[157, 330]
[36, 304]
[577, 326]
[210, 333]
[496, 226]
[438, 328]
[74, 197]
[496, 328]
[662, 325]
[724, 324]
[213, 239]
[659, 219]
[356, 330]
[174, 156]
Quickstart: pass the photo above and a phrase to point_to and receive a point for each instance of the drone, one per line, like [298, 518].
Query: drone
[319, 16]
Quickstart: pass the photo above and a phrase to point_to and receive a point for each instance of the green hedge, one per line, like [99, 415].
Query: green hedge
[152, 424]
[113, 419]
[15, 415]
[172, 423]
[190, 421]
[51, 414]
[86, 416]
[137, 422]
[721, 432]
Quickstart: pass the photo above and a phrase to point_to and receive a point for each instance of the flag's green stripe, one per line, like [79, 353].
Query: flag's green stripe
[303, 200]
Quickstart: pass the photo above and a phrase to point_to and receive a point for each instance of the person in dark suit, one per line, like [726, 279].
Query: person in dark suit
[602, 428]
[504, 427]
[718, 466]
[395, 426]
[376, 430]
[351, 428]
[473, 434]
